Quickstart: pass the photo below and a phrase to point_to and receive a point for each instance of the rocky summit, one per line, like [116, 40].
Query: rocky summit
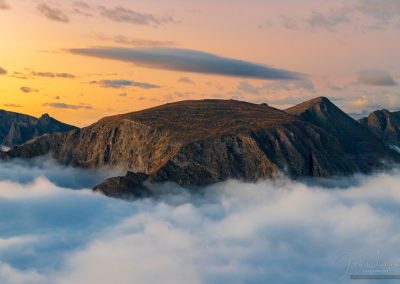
[16, 128]
[202, 142]
[362, 150]
[385, 125]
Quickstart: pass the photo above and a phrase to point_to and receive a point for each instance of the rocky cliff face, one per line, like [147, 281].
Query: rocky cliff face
[202, 142]
[16, 128]
[385, 125]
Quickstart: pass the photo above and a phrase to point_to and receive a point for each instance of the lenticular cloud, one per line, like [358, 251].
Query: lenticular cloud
[233, 232]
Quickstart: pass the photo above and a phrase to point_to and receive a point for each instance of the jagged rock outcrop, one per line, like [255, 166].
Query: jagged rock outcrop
[385, 125]
[203, 142]
[16, 128]
[132, 185]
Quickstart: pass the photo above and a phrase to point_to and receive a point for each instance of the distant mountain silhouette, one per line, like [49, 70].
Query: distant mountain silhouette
[207, 141]
[16, 128]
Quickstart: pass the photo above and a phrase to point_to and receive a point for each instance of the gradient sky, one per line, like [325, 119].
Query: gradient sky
[83, 60]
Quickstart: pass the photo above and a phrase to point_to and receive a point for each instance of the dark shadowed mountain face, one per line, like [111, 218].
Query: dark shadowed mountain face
[385, 125]
[16, 128]
[202, 142]
[359, 144]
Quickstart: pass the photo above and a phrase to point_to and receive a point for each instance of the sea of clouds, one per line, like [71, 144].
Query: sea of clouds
[278, 231]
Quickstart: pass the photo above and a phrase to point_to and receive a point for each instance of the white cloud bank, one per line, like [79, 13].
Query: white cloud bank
[268, 232]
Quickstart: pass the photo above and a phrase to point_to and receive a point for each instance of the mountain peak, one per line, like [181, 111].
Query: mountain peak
[320, 104]
[17, 128]
[321, 99]
[384, 124]
[45, 116]
[354, 137]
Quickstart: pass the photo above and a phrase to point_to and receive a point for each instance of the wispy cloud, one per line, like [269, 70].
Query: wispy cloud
[186, 60]
[384, 12]
[249, 88]
[54, 75]
[126, 15]
[68, 106]
[19, 75]
[328, 21]
[11, 105]
[376, 78]
[136, 42]
[117, 14]
[4, 5]
[52, 13]
[3, 71]
[282, 85]
[28, 90]
[82, 8]
[186, 80]
[360, 15]
[124, 83]
[82, 4]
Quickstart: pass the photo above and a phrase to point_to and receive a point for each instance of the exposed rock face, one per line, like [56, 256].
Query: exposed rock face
[363, 151]
[16, 128]
[385, 125]
[203, 142]
[128, 186]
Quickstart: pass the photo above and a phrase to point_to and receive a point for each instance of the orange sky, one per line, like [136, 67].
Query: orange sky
[348, 50]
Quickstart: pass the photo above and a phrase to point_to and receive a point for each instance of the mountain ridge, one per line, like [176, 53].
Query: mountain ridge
[355, 139]
[17, 128]
[385, 125]
[207, 141]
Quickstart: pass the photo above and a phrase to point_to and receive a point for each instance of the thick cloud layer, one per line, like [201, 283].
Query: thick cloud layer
[26, 172]
[277, 232]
